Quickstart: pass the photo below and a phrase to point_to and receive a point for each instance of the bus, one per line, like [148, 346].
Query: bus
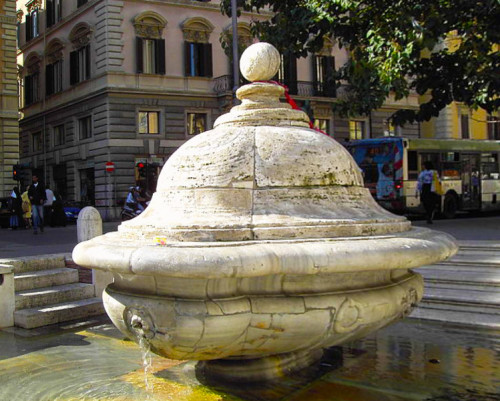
[469, 172]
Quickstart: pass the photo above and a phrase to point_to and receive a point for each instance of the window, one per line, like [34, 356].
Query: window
[150, 56]
[150, 46]
[198, 62]
[32, 24]
[323, 125]
[323, 69]
[37, 142]
[53, 78]
[85, 127]
[197, 47]
[464, 124]
[149, 122]
[287, 73]
[196, 123]
[493, 128]
[80, 3]
[54, 9]
[390, 129]
[31, 83]
[356, 129]
[79, 62]
[59, 135]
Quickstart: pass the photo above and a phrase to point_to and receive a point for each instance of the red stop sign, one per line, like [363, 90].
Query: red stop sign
[110, 167]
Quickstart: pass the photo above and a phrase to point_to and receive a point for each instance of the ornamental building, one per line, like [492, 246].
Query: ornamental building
[128, 82]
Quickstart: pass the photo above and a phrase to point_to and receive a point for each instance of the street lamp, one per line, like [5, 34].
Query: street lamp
[236, 71]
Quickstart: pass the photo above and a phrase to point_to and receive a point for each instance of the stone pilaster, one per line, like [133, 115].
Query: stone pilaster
[9, 127]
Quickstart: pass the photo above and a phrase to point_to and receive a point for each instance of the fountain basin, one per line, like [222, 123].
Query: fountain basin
[255, 300]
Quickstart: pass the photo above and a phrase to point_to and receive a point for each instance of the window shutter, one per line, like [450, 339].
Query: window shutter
[138, 55]
[87, 62]
[50, 13]
[329, 84]
[187, 59]
[160, 59]
[59, 10]
[73, 67]
[28, 27]
[291, 74]
[207, 60]
[314, 66]
[49, 79]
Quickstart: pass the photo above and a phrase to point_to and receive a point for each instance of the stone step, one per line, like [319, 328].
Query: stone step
[45, 278]
[465, 294]
[58, 313]
[35, 263]
[53, 295]
[477, 258]
[486, 277]
[478, 316]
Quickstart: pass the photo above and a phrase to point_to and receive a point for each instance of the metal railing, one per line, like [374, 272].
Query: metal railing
[224, 84]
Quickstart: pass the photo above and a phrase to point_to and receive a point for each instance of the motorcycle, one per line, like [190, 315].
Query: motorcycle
[129, 211]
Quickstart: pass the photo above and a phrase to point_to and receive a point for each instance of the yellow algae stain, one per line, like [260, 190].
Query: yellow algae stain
[23, 361]
[164, 389]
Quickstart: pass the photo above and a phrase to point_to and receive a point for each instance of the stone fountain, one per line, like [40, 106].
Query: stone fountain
[271, 248]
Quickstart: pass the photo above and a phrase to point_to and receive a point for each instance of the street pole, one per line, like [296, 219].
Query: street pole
[236, 70]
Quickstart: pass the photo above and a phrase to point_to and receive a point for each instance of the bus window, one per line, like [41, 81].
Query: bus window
[429, 157]
[489, 166]
[450, 170]
[412, 165]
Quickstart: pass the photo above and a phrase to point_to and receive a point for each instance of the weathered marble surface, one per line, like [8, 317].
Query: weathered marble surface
[274, 251]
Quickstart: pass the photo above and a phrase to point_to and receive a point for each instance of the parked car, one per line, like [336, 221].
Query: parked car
[72, 213]
[5, 213]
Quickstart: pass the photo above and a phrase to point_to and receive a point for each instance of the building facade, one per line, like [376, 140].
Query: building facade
[9, 128]
[128, 82]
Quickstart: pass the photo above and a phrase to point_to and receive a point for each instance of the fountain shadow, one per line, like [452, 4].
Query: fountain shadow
[192, 374]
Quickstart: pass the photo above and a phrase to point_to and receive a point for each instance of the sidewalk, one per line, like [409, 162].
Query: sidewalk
[17, 243]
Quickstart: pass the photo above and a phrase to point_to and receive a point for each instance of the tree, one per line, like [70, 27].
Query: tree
[446, 50]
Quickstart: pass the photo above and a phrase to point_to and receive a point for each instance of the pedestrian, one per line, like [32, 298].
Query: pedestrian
[426, 188]
[47, 207]
[16, 209]
[36, 193]
[26, 208]
[58, 215]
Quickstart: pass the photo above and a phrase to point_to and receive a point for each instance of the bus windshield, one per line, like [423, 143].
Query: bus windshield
[381, 161]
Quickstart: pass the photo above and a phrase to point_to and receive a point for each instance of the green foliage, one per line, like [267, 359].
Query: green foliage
[445, 49]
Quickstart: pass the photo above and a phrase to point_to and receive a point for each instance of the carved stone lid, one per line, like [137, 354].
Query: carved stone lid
[261, 174]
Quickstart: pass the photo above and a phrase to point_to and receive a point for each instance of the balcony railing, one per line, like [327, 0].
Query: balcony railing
[224, 84]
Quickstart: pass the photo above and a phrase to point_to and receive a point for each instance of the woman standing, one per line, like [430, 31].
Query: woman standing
[427, 190]
[16, 209]
[26, 208]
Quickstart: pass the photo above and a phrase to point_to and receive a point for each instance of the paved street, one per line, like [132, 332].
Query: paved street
[18, 243]
[63, 239]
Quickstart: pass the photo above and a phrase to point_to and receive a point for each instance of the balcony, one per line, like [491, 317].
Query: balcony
[224, 84]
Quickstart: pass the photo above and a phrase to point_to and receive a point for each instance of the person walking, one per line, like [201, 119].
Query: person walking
[26, 208]
[16, 209]
[36, 193]
[47, 207]
[426, 188]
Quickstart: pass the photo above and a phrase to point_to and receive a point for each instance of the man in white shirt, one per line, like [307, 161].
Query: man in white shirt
[47, 206]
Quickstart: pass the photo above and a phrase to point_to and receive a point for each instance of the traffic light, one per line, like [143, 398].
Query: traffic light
[141, 169]
[16, 172]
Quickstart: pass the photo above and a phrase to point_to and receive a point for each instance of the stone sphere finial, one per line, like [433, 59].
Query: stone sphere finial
[260, 62]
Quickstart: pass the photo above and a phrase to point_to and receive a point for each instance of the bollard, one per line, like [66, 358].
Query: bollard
[88, 226]
[7, 296]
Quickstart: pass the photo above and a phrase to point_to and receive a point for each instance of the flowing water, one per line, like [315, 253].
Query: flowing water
[410, 360]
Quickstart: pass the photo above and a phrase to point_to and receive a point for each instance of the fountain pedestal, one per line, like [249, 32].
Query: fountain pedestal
[274, 249]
